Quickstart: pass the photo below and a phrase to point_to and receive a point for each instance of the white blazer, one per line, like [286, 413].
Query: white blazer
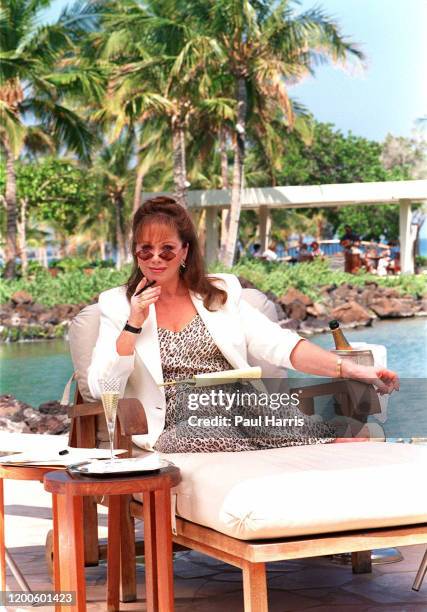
[237, 329]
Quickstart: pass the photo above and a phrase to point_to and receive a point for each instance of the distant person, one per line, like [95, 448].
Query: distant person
[256, 250]
[270, 253]
[349, 237]
[352, 261]
[316, 251]
[304, 254]
[384, 263]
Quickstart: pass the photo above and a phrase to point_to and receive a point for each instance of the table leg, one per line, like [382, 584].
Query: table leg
[128, 551]
[56, 553]
[150, 552]
[69, 520]
[164, 549]
[113, 554]
[2, 542]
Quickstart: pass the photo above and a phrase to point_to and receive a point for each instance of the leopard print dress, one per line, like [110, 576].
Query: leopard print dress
[192, 350]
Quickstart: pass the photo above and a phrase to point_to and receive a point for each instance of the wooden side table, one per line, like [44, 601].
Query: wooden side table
[15, 472]
[68, 548]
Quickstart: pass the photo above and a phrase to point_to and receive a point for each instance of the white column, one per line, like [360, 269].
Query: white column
[264, 218]
[212, 237]
[405, 238]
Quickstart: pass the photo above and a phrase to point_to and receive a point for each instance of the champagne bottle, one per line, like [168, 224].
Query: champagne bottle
[341, 342]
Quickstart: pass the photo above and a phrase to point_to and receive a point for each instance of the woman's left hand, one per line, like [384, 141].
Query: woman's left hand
[386, 381]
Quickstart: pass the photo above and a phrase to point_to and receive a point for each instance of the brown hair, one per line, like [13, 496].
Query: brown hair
[166, 211]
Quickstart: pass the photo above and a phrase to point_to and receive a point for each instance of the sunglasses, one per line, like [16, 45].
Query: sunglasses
[146, 253]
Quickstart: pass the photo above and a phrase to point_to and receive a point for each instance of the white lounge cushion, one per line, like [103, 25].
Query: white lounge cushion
[304, 490]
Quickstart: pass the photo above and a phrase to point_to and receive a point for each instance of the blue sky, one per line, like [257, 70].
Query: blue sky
[391, 93]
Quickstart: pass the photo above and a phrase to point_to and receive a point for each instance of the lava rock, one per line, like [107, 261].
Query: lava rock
[21, 297]
[351, 312]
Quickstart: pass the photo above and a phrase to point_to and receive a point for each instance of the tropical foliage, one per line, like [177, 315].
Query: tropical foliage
[75, 287]
[121, 96]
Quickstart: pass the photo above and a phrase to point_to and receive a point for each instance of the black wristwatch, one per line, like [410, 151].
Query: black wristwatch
[130, 328]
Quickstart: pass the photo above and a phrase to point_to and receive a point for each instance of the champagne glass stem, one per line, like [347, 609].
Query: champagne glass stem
[111, 437]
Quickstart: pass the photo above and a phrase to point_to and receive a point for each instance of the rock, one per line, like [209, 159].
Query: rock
[246, 284]
[294, 295]
[53, 407]
[12, 427]
[351, 312]
[390, 292]
[11, 408]
[280, 312]
[317, 310]
[314, 326]
[344, 291]
[292, 324]
[21, 297]
[296, 310]
[368, 296]
[387, 308]
[17, 416]
[328, 288]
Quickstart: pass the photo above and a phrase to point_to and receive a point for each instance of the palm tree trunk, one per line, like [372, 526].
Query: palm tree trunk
[137, 196]
[179, 162]
[11, 249]
[227, 255]
[120, 233]
[225, 213]
[22, 234]
[137, 201]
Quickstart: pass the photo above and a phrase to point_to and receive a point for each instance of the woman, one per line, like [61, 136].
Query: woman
[189, 323]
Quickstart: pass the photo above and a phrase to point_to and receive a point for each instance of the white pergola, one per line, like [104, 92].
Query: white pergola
[264, 199]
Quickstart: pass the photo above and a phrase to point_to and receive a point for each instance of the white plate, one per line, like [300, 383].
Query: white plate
[135, 465]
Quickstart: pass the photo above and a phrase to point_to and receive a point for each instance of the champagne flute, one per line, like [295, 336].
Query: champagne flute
[110, 393]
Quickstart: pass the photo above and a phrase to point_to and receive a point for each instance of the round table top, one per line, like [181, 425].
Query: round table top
[10, 471]
[63, 482]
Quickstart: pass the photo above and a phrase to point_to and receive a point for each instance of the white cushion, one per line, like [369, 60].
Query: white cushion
[304, 490]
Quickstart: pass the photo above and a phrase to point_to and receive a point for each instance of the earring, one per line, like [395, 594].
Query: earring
[183, 266]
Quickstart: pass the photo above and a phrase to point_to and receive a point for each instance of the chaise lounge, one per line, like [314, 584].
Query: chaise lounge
[249, 508]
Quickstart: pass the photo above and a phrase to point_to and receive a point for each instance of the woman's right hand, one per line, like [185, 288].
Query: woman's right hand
[139, 304]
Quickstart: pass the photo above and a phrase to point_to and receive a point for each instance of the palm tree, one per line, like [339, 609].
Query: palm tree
[267, 47]
[33, 86]
[113, 169]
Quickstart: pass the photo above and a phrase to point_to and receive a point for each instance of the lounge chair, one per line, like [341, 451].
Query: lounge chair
[250, 508]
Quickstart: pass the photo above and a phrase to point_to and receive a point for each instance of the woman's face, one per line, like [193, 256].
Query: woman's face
[160, 253]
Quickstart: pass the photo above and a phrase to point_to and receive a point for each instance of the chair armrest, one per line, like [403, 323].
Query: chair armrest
[130, 415]
[355, 399]
[84, 410]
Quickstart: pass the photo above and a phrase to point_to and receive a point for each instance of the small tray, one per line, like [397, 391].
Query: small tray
[125, 467]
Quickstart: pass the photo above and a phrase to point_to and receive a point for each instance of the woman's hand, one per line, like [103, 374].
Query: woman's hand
[139, 304]
[386, 381]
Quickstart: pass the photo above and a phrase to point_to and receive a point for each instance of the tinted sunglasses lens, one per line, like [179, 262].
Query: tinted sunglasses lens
[144, 254]
[167, 255]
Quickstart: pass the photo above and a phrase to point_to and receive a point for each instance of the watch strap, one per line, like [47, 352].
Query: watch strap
[130, 328]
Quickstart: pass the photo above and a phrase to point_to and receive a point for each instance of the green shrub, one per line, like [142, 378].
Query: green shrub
[76, 287]
[311, 276]
[67, 288]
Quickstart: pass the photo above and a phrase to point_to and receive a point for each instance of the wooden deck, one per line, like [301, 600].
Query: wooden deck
[205, 585]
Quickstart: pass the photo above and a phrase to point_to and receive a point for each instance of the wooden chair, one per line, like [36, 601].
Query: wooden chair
[249, 555]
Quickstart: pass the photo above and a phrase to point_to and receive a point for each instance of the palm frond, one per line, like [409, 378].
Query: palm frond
[11, 128]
